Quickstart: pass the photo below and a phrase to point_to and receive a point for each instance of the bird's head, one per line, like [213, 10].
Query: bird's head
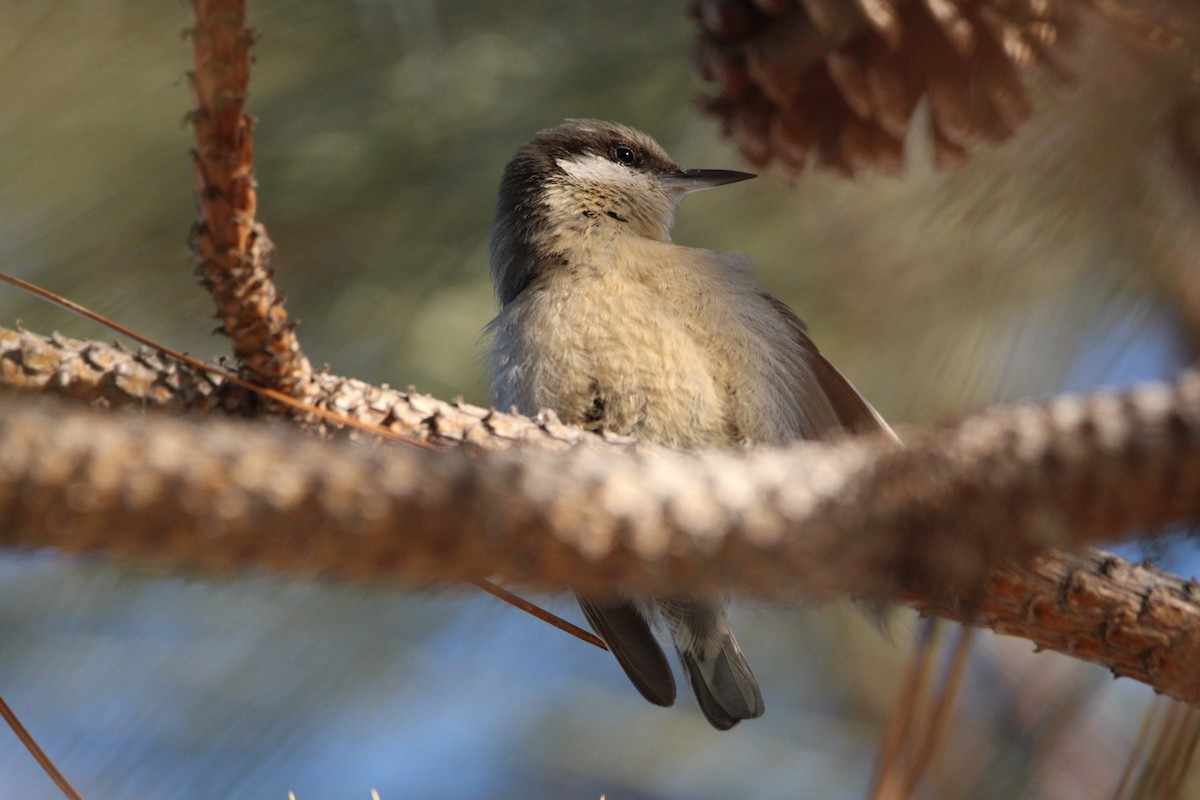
[585, 178]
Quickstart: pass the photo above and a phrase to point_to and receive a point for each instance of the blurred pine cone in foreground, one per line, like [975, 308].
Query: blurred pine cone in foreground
[837, 81]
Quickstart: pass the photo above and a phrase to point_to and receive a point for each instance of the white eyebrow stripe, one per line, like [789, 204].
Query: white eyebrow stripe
[596, 168]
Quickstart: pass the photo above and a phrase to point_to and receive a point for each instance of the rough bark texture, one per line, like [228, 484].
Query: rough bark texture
[1140, 622]
[951, 503]
[108, 375]
[933, 519]
[230, 245]
[111, 375]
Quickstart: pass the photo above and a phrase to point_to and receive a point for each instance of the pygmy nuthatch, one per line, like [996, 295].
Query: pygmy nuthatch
[610, 325]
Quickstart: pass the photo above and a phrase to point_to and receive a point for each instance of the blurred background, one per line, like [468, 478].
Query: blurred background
[1062, 259]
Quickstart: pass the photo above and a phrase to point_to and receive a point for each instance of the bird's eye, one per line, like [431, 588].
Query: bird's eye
[624, 155]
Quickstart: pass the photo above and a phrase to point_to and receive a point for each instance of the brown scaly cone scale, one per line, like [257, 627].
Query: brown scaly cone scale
[836, 82]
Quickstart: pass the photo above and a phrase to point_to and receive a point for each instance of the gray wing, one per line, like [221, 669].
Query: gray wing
[852, 410]
[629, 638]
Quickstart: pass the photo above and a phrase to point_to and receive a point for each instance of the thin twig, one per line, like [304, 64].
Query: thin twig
[539, 612]
[889, 768]
[1125, 784]
[36, 751]
[1168, 760]
[943, 709]
[1150, 782]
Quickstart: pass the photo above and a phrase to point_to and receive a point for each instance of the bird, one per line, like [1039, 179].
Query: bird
[612, 326]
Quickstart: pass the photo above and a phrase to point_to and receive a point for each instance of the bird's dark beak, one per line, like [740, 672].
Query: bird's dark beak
[692, 180]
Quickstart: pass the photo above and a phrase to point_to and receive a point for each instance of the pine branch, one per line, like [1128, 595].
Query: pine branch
[111, 375]
[230, 245]
[933, 519]
[1138, 621]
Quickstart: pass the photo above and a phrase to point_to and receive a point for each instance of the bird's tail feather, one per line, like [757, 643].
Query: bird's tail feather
[629, 638]
[725, 688]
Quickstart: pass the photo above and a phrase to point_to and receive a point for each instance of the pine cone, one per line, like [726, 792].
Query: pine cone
[836, 82]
